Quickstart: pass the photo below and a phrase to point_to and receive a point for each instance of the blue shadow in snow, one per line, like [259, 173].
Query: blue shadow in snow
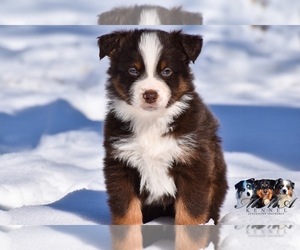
[89, 204]
[272, 133]
[25, 128]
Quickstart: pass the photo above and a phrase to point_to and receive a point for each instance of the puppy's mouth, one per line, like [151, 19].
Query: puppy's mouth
[150, 108]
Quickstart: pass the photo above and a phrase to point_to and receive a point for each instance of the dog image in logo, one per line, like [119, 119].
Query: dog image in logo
[264, 193]
[284, 190]
[245, 190]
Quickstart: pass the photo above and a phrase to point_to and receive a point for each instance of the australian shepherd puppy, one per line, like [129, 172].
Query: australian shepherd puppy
[245, 189]
[163, 155]
[284, 190]
[264, 192]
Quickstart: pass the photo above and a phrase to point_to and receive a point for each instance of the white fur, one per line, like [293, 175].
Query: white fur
[285, 184]
[149, 150]
[150, 49]
[149, 17]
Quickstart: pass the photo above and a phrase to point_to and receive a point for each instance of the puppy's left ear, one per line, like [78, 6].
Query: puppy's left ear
[108, 44]
[192, 45]
[292, 184]
[272, 182]
[236, 186]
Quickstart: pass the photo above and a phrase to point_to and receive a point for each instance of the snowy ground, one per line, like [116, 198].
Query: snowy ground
[52, 106]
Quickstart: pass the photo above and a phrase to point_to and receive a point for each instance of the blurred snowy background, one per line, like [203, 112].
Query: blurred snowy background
[52, 104]
[214, 12]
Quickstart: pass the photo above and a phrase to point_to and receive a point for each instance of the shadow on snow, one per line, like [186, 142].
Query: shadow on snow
[89, 204]
[271, 133]
[25, 128]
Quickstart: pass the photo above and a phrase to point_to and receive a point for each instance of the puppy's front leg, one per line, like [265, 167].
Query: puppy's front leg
[122, 189]
[133, 215]
[184, 217]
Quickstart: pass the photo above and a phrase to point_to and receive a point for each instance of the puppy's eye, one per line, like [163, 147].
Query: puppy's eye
[133, 71]
[166, 72]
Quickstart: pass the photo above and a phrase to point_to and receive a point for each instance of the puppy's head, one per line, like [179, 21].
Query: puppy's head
[284, 187]
[245, 188]
[264, 188]
[149, 69]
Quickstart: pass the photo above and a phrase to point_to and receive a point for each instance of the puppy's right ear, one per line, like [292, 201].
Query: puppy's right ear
[109, 43]
[278, 181]
[236, 186]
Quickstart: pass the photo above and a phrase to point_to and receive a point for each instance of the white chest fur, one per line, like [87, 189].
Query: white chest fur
[152, 153]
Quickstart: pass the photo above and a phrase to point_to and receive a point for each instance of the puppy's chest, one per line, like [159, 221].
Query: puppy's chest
[147, 148]
[152, 153]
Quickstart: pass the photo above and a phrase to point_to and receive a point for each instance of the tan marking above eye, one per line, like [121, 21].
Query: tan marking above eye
[138, 65]
[163, 65]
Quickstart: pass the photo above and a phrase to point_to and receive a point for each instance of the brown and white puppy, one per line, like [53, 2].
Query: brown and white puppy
[149, 15]
[163, 155]
[284, 190]
[264, 191]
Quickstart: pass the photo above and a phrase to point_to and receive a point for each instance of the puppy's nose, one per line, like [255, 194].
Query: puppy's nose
[150, 96]
[284, 191]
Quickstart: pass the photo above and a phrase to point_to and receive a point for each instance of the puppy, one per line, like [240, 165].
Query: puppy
[162, 152]
[244, 192]
[284, 192]
[264, 192]
[149, 15]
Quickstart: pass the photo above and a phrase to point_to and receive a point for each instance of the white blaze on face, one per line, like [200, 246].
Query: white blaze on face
[150, 49]
[149, 17]
[285, 190]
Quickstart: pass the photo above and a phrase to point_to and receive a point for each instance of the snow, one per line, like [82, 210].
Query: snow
[52, 106]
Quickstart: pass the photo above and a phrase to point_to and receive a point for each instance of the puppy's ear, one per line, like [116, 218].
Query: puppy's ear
[292, 184]
[251, 180]
[109, 43]
[236, 186]
[272, 183]
[278, 181]
[192, 44]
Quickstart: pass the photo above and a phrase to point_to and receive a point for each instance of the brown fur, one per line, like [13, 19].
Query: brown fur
[133, 215]
[265, 196]
[200, 174]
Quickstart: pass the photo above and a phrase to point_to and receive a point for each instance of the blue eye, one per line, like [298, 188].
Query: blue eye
[133, 71]
[166, 72]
